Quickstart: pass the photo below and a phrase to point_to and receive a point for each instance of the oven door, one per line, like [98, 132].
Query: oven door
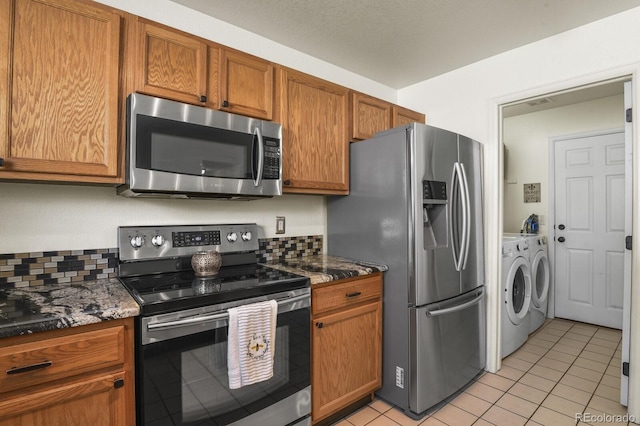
[182, 369]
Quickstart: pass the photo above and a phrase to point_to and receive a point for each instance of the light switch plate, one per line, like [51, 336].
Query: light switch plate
[280, 224]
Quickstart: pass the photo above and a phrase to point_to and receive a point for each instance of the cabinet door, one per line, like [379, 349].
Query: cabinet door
[170, 64]
[346, 357]
[94, 401]
[60, 88]
[369, 116]
[314, 115]
[405, 116]
[246, 85]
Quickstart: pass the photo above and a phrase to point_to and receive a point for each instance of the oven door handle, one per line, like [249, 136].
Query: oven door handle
[222, 315]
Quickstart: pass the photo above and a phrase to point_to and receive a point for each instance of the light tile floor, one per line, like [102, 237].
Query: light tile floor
[563, 369]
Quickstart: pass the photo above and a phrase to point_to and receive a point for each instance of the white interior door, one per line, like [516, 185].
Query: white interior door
[589, 228]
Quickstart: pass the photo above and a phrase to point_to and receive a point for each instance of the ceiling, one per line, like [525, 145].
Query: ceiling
[401, 42]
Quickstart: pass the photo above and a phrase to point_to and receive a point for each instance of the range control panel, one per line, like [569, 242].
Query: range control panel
[155, 242]
[195, 238]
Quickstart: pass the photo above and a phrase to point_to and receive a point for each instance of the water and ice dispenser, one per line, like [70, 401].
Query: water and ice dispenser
[435, 212]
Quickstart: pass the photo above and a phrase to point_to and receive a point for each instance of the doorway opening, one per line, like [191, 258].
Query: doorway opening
[528, 128]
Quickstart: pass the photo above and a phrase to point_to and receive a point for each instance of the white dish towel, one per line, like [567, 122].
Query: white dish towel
[251, 343]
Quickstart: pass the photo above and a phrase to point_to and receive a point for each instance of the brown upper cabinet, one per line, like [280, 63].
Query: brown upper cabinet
[59, 90]
[371, 115]
[314, 114]
[405, 116]
[169, 63]
[175, 65]
[246, 84]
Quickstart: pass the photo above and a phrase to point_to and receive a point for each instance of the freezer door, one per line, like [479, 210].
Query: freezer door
[434, 153]
[470, 159]
[447, 348]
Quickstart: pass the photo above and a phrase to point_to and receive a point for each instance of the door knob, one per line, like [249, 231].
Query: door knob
[561, 239]
[561, 227]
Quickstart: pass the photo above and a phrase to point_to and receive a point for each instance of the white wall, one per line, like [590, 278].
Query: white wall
[466, 101]
[526, 138]
[37, 217]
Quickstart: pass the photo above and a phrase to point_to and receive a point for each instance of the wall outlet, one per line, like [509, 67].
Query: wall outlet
[400, 377]
[280, 225]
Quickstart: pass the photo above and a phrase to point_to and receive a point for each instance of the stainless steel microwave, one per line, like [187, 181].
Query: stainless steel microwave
[177, 150]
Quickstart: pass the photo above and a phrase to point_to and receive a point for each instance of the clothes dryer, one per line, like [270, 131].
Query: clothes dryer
[540, 280]
[516, 294]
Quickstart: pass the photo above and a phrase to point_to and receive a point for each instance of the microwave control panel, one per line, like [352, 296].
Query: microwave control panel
[271, 159]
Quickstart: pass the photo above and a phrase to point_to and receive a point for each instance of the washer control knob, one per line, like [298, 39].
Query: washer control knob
[137, 241]
[157, 240]
[246, 236]
[232, 237]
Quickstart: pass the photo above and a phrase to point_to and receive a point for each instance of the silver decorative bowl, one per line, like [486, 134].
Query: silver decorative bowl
[206, 263]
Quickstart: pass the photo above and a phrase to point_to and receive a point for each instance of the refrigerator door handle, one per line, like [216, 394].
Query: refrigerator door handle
[453, 225]
[457, 308]
[458, 241]
[466, 216]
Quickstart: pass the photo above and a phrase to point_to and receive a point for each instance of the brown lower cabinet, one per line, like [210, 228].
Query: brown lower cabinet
[73, 376]
[346, 343]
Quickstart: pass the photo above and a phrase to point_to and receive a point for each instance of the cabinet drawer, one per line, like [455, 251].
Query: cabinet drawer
[345, 294]
[39, 362]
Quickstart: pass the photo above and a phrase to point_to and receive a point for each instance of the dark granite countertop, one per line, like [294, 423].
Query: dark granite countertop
[49, 307]
[325, 268]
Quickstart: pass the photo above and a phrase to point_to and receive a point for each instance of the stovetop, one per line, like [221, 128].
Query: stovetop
[172, 291]
[155, 266]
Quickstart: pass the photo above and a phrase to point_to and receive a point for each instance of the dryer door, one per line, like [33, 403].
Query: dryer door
[540, 278]
[517, 290]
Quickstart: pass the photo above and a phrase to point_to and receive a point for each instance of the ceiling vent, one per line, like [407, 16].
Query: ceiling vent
[540, 101]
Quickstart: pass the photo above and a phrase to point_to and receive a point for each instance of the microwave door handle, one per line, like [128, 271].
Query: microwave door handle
[257, 134]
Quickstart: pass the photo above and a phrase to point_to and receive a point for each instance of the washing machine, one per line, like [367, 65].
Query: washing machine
[540, 280]
[516, 294]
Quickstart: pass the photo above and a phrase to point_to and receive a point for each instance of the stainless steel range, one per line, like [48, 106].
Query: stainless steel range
[181, 334]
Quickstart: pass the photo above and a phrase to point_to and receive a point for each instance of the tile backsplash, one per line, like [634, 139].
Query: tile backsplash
[52, 267]
[274, 249]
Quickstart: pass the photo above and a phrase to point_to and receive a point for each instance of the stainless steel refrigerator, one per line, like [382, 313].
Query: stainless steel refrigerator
[415, 204]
